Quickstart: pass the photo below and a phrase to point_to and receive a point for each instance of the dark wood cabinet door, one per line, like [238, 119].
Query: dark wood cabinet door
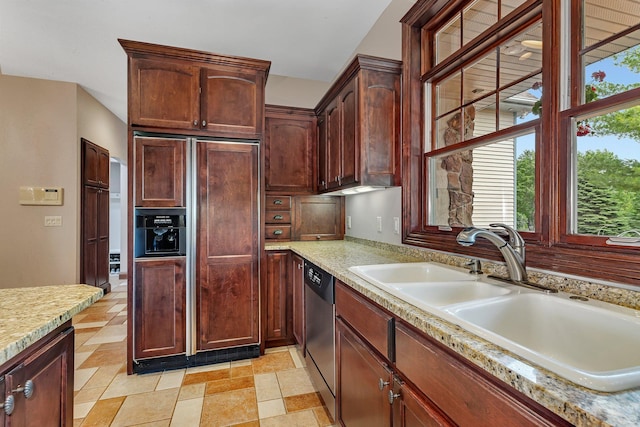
[279, 300]
[334, 145]
[232, 101]
[159, 307]
[350, 149]
[289, 150]
[228, 234]
[322, 151]
[409, 410]
[95, 164]
[49, 372]
[164, 93]
[318, 218]
[297, 283]
[160, 172]
[95, 237]
[363, 382]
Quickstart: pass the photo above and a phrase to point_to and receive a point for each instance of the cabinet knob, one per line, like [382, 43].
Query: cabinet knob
[27, 389]
[9, 404]
[382, 384]
[318, 237]
[277, 217]
[277, 232]
[195, 123]
[393, 396]
[299, 266]
[204, 123]
[277, 202]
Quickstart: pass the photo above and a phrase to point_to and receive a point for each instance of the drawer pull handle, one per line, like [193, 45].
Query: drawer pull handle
[277, 217]
[9, 404]
[27, 389]
[277, 202]
[277, 232]
[393, 396]
[382, 384]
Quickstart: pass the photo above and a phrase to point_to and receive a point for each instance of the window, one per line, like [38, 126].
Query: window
[489, 136]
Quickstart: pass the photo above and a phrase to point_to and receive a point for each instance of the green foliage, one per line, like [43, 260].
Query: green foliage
[525, 191]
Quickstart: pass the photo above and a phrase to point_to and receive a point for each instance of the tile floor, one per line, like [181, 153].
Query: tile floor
[273, 390]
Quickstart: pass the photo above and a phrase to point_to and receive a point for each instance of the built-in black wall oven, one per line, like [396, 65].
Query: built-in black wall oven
[160, 232]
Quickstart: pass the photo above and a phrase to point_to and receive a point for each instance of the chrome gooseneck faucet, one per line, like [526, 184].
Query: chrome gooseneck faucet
[512, 251]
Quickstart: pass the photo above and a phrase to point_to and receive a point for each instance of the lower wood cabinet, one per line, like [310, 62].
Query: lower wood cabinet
[278, 316]
[159, 307]
[363, 380]
[297, 282]
[39, 386]
[400, 376]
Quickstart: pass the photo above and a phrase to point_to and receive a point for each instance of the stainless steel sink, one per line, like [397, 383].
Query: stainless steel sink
[593, 344]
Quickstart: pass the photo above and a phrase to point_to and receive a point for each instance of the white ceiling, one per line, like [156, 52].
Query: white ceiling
[76, 40]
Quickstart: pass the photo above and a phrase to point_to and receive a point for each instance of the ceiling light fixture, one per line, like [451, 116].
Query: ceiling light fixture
[533, 44]
[525, 55]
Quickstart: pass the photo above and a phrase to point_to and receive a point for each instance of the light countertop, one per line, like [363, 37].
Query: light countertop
[576, 404]
[28, 314]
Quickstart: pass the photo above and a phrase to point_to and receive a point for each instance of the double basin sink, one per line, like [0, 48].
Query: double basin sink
[593, 344]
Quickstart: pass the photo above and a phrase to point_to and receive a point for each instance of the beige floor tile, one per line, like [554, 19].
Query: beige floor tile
[81, 410]
[80, 357]
[294, 381]
[323, 417]
[81, 337]
[272, 362]
[146, 407]
[103, 412]
[296, 356]
[271, 408]
[89, 325]
[204, 377]
[275, 350]
[192, 391]
[126, 385]
[88, 394]
[241, 371]
[82, 376]
[207, 368]
[229, 384]
[267, 387]
[229, 408]
[236, 363]
[161, 423]
[187, 413]
[109, 334]
[117, 308]
[296, 419]
[170, 379]
[103, 357]
[104, 376]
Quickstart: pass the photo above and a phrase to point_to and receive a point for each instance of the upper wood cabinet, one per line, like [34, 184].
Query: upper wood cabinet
[95, 164]
[318, 218]
[205, 93]
[160, 172]
[359, 126]
[290, 146]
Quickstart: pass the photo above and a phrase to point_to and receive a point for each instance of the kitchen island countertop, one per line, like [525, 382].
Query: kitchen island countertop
[576, 404]
[28, 314]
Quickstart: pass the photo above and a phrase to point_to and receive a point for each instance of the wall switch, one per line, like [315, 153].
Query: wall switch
[348, 221]
[396, 225]
[379, 224]
[53, 221]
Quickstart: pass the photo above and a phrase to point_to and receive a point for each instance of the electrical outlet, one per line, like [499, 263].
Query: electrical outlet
[348, 221]
[379, 224]
[53, 221]
[396, 225]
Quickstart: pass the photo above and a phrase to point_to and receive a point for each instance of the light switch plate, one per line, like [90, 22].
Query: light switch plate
[53, 221]
[379, 224]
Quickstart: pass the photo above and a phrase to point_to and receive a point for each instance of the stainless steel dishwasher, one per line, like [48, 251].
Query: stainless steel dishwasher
[320, 325]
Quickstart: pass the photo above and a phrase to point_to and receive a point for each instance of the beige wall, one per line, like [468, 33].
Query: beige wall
[39, 146]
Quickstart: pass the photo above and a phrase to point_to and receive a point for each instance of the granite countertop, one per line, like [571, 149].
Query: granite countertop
[576, 404]
[28, 314]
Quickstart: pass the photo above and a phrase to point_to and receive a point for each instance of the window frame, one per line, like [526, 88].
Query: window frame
[550, 247]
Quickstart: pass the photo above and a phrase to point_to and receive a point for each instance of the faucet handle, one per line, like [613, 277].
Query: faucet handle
[515, 239]
[476, 266]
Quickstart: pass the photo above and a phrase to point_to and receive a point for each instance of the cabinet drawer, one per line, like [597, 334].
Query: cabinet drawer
[460, 391]
[278, 203]
[278, 217]
[277, 232]
[373, 324]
